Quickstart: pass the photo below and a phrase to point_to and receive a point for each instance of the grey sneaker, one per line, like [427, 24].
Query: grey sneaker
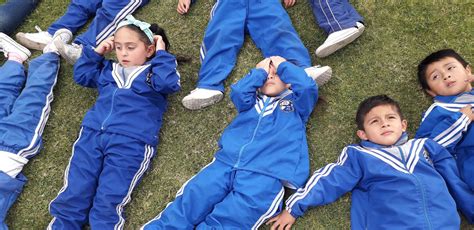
[200, 98]
[69, 52]
[8, 45]
[320, 74]
[36, 41]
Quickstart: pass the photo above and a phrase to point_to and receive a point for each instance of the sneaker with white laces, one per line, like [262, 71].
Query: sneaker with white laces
[339, 39]
[8, 45]
[36, 41]
[61, 36]
[69, 52]
[320, 74]
[200, 98]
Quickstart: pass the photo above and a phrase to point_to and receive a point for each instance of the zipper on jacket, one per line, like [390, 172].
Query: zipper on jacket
[424, 201]
[265, 103]
[110, 112]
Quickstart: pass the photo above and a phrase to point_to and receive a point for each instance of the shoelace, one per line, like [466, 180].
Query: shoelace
[37, 28]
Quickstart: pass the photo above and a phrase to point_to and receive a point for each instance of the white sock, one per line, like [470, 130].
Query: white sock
[11, 163]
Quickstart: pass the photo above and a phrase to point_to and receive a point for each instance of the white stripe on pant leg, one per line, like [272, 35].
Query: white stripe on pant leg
[272, 210]
[179, 193]
[66, 174]
[325, 15]
[42, 122]
[148, 154]
[335, 19]
[110, 29]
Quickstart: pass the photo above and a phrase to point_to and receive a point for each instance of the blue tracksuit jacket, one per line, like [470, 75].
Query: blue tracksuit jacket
[405, 186]
[273, 145]
[262, 149]
[132, 108]
[117, 140]
[452, 129]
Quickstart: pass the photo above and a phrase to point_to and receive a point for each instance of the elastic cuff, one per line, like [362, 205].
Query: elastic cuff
[11, 163]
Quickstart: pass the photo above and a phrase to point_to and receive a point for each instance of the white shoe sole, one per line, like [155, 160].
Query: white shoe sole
[324, 77]
[324, 51]
[20, 37]
[22, 49]
[195, 104]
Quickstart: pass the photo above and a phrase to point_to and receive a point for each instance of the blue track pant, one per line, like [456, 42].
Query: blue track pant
[269, 27]
[219, 197]
[10, 189]
[108, 13]
[23, 113]
[24, 110]
[103, 171]
[335, 15]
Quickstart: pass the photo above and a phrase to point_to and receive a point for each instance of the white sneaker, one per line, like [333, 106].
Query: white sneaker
[320, 74]
[36, 41]
[339, 39]
[69, 52]
[8, 45]
[61, 36]
[200, 98]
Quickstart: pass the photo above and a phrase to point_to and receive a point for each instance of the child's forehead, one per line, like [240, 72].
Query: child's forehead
[441, 63]
[381, 109]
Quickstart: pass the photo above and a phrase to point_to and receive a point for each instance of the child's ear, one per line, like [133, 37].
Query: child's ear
[150, 50]
[404, 125]
[362, 135]
[468, 69]
[431, 93]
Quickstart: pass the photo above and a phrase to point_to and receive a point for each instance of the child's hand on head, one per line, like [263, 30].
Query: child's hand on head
[289, 3]
[467, 110]
[264, 64]
[277, 60]
[283, 221]
[183, 6]
[105, 46]
[159, 43]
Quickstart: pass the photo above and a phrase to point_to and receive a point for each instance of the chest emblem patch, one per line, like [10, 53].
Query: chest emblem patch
[287, 106]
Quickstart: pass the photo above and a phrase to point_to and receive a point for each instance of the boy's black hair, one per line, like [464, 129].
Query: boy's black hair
[155, 29]
[372, 102]
[434, 57]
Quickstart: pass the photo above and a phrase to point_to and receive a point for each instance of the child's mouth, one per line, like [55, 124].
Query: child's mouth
[386, 133]
[451, 83]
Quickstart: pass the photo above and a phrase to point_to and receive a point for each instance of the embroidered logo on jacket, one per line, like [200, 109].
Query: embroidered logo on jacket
[427, 158]
[265, 105]
[286, 106]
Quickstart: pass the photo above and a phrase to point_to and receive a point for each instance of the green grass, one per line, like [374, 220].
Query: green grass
[382, 60]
